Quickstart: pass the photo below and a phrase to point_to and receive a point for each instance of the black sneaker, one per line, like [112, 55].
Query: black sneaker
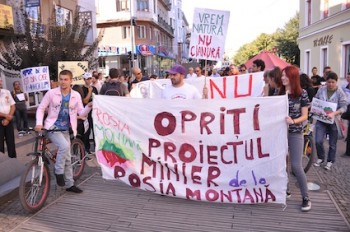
[60, 180]
[74, 189]
[306, 206]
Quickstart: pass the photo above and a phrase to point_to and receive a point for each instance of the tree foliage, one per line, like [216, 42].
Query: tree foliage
[287, 41]
[247, 51]
[283, 41]
[37, 47]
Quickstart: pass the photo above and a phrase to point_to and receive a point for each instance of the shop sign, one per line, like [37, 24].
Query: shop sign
[327, 39]
[111, 50]
[6, 17]
[145, 50]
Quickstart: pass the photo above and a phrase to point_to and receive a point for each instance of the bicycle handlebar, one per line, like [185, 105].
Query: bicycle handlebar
[44, 131]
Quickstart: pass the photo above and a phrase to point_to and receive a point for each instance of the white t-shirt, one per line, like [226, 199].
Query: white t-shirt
[189, 76]
[6, 101]
[186, 91]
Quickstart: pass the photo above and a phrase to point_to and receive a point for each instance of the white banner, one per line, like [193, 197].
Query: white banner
[35, 79]
[230, 151]
[209, 31]
[246, 85]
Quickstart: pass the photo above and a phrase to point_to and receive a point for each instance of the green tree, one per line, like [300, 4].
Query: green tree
[286, 40]
[247, 51]
[283, 40]
[40, 45]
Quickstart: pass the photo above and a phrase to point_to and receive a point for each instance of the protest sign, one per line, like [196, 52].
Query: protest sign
[78, 68]
[245, 85]
[209, 31]
[219, 150]
[320, 110]
[35, 79]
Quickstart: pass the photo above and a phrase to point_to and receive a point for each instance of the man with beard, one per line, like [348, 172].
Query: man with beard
[178, 88]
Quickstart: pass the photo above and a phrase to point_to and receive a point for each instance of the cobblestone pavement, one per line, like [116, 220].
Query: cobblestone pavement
[336, 181]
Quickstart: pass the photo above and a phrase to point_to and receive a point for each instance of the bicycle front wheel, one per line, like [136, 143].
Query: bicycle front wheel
[78, 158]
[308, 154]
[34, 186]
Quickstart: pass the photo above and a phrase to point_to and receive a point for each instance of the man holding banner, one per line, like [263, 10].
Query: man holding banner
[178, 88]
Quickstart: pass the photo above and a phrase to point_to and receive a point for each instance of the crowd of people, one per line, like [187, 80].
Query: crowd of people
[69, 107]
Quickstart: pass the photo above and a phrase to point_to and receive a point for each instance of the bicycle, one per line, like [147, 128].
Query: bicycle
[309, 148]
[34, 185]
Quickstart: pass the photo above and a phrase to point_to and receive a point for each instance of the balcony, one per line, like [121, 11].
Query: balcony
[162, 23]
[166, 4]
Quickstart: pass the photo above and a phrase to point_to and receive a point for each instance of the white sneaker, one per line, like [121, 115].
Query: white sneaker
[318, 163]
[328, 166]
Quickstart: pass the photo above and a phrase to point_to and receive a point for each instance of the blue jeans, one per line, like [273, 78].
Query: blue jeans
[321, 130]
[63, 163]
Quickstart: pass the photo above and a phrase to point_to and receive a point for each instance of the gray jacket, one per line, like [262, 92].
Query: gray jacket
[338, 97]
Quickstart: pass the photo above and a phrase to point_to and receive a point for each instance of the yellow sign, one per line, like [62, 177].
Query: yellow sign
[6, 17]
[78, 68]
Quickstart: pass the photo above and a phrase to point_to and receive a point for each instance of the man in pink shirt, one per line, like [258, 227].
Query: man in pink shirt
[64, 104]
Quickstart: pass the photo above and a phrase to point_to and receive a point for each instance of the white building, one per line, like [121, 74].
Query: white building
[324, 35]
[154, 39]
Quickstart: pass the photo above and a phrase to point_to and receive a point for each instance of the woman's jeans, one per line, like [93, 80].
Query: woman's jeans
[321, 130]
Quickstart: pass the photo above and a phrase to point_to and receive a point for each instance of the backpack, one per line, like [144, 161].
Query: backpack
[114, 89]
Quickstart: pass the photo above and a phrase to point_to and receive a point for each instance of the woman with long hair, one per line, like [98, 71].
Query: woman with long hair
[298, 113]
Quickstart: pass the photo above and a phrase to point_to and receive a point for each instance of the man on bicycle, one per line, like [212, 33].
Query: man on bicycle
[64, 104]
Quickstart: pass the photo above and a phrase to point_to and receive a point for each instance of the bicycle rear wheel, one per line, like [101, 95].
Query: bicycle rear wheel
[78, 158]
[308, 154]
[33, 192]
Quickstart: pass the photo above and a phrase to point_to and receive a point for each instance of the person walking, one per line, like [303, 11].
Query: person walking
[7, 110]
[88, 92]
[329, 93]
[64, 105]
[298, 112]
[21, 112]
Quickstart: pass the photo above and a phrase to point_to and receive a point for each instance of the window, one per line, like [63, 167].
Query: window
[62, 16]
[125, 32]
[33, 13]
[307, 62]
[308, 12]
[142, 5]
[325, 9]
[150, 33]
[141, 30]
[155, 6]
[122, 5]
[347, 59]
[324, 57]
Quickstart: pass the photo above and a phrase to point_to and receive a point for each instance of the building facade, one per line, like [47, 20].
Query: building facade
[40, 12]
[324, 35]
[149, 29]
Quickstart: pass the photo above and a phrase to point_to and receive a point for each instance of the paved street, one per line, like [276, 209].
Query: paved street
[336, 182]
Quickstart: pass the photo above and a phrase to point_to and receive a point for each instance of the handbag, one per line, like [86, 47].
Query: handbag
[341, 127]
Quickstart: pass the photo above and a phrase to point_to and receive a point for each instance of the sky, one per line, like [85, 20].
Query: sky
[248, 18]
